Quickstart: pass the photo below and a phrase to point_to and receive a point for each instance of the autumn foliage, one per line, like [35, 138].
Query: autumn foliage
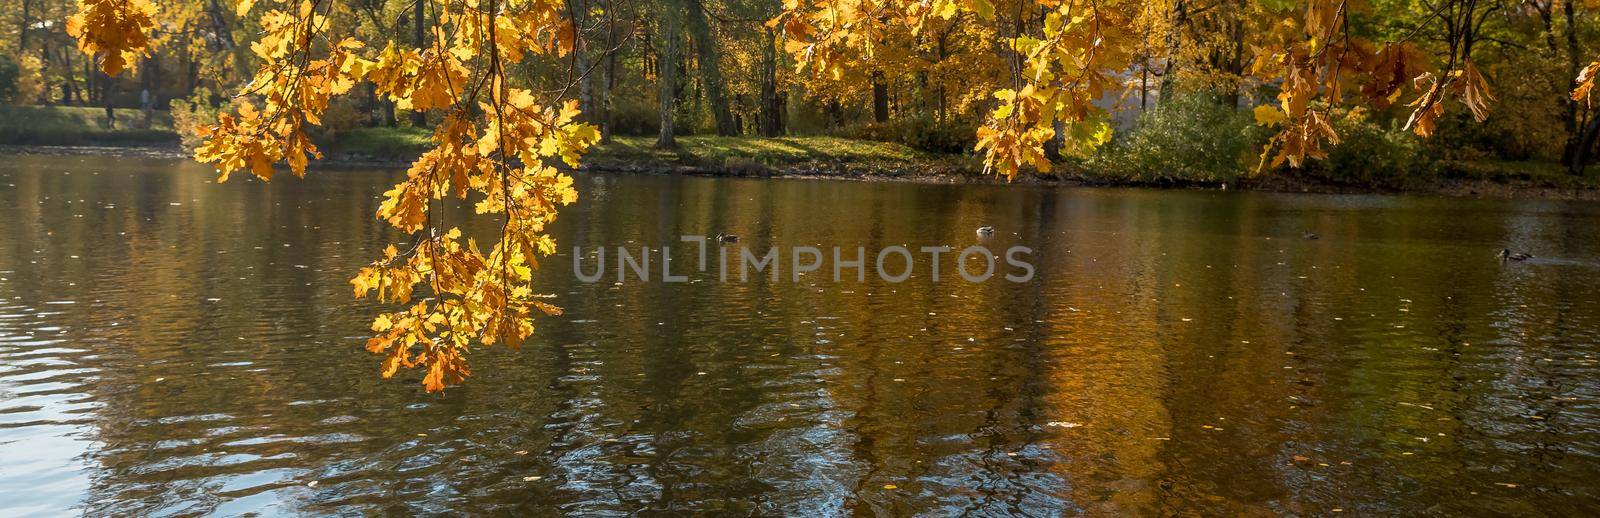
[1586, 79]
[115, 31]
[1068, 54]
[496, 145]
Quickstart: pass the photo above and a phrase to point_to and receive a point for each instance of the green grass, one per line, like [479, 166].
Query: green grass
[384, 143]
[735, 154]
[756, 155]
[78, 125]
[770, 151]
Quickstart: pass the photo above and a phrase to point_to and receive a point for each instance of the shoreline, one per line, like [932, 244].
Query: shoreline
[952, 174]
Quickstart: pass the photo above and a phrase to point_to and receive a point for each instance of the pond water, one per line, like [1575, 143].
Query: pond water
[172, 346]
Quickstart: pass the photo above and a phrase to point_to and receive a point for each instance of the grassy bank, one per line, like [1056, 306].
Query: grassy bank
[833, 157]
[82, 126]
[845, 158]
[704, 154]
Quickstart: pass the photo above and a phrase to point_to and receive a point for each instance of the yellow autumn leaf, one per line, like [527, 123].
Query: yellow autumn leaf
[1269, 115]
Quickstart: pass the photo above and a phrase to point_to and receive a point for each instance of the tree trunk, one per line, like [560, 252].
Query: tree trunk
[771, 107]
[1144, 84]
[44, 72]
[1236, 60]
[191, 74]
[219, 26]
[1572, 151]
[147, 93]
[69, 85]
[880, 99]
[666, 73]
[382, 107]
[1052, 147]
[110, 85]
[27, 19]
[606, 118]
[710, 69]
[1180, 15]
[580, 59]
[943, 53]
[1585, 146]
[419, 37]
[94, 82]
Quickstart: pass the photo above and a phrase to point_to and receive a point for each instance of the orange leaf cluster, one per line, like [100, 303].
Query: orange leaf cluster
[1585, 82]
[115, 31]
[495, 146]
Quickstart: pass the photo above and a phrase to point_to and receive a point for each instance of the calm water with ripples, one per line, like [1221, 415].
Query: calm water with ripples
[169, 346]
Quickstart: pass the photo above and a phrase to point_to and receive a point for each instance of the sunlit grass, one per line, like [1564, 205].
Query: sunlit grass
[698, 150]
[79, 125]
[386, 143]
[771, 151]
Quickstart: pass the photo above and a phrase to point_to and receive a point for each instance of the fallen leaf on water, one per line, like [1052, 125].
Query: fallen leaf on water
[890, 486]
[530, 479]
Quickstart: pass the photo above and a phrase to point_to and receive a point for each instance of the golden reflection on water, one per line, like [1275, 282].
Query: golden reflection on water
[172, 346]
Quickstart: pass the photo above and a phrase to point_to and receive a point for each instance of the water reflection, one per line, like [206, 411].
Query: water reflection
[172, 346]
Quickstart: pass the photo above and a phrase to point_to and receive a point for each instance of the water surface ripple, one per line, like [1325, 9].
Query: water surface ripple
[169, 346]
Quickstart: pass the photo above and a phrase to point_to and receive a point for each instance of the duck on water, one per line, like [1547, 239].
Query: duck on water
[1507, 255]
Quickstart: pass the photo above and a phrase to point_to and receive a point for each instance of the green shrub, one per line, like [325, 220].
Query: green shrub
[21, 83]
[635, 119]
[343, 115]
[1524, 122]
[1189, 138]
[188, 115]
[920, 132]
[1374, 153]
[10, 72]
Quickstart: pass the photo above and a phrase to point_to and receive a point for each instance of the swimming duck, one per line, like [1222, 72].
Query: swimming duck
[985, 230]
[1506, 254]
[727, 238]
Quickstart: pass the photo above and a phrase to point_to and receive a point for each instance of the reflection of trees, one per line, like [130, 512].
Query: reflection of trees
[209, 356]
[1175, 350]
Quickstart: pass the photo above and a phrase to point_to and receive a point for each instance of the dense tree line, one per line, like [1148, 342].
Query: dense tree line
[666, 67]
